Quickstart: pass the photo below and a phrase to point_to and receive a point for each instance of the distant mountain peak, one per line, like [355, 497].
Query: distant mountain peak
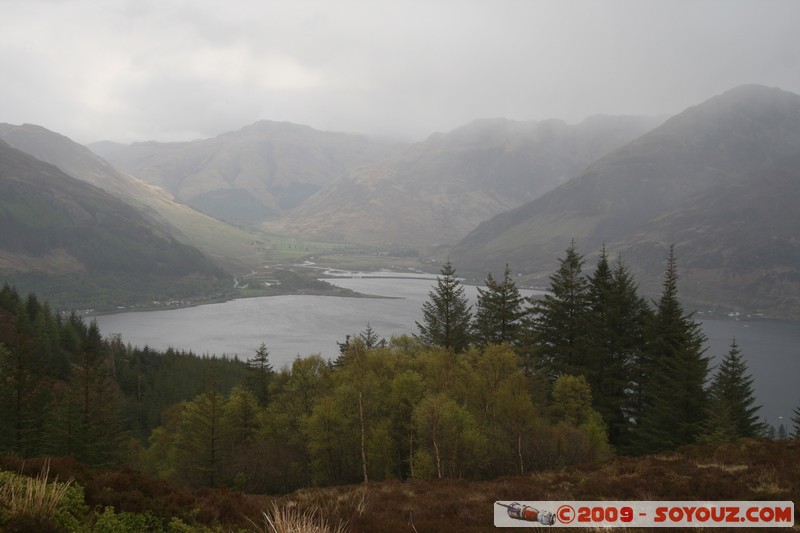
[652, 191]
[265, 126]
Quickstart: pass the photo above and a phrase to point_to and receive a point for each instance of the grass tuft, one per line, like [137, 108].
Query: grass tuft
[767, 483]
[33, 499]
[280, 519]
[722, 466]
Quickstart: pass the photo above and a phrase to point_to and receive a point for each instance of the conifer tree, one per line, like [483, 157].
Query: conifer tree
[368, 339]
[447, 313]
[675, 374]
[260, 374]
[23, 389]
[732, 413]
[614, 344]
[796, 423]
[371, 339]
[87, 418]
[559, 319]
[498, 312]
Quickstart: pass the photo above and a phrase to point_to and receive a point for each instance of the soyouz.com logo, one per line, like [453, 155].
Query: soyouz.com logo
[644, 514]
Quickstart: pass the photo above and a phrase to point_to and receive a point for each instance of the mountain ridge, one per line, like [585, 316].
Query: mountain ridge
[227, 245]
[46, 211]
[444, 186]
[713, 147]
[249, 175]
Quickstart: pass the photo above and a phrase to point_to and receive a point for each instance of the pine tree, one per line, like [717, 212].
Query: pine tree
[87, 417]
[559, 319]
[498, 312]
[446, 315]
[260, 374]
[675, 374]
[371, 339]
[731, 411]
[367, 339]
[614, 344]
[24, 386]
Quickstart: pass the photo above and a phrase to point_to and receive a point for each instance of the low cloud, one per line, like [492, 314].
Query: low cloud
[172, 70]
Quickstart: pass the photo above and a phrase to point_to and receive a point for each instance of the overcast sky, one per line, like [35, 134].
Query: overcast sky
[130, 70]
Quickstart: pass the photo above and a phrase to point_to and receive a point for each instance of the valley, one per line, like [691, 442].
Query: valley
[392, 266]
[715, 180]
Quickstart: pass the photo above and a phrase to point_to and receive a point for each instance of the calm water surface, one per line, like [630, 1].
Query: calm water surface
[294, 326]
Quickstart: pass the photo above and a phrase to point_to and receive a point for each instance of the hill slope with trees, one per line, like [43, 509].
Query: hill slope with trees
[586, 371]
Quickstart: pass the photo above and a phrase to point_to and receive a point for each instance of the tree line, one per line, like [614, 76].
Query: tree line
[507, 387]
[67, 390]
[643, 362]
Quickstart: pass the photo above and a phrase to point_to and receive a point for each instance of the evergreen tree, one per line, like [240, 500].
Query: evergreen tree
[731, 411]
[371, 339]
[367, 339]
[796, 423]
[614, 344]
[559, 319]
[24, 387]
[446, 315]
[498, 312]
[675, 374]
[260, 374]
[87, 420]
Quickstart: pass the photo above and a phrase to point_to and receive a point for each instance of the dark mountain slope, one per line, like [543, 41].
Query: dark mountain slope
[436, 191]
[74, 159]
[227, 245]
[51, 223]
[743, 132]
[740, 243]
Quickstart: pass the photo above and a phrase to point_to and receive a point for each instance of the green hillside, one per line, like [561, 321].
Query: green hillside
[228, 246]
[57, 228]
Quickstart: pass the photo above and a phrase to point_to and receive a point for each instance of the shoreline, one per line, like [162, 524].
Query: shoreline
[341, 293]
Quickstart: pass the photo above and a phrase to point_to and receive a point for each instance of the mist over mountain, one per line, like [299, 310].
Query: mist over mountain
[719, 180]
[436, 191]
[55, 224]
[227, 245]
[247, 176]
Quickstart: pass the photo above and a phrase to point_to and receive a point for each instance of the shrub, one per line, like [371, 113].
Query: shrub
[112, 522]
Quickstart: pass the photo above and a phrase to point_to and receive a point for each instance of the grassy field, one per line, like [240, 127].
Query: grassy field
[744, 470]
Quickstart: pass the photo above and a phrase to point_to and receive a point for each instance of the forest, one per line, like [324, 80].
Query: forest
[508, 387]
